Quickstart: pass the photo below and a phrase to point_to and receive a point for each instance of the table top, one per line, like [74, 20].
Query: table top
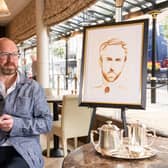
[54, 98]
[87, 157]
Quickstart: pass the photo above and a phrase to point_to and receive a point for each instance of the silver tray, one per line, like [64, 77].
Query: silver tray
[124, 153]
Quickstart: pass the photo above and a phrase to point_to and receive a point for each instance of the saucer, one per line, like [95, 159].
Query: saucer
[105, 151]
[125, 154]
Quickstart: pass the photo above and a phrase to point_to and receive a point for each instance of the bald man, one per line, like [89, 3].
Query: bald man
[24, 113]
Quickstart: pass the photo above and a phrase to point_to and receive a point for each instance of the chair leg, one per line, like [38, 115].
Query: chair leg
[76, 142]
[48, 144]
[65, 148]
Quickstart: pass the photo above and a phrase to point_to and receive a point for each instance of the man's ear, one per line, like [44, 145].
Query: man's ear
[100, 61]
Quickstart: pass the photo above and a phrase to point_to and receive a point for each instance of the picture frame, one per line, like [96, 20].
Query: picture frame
[114, 65]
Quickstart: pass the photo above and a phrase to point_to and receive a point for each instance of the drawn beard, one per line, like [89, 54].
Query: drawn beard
[110, 76]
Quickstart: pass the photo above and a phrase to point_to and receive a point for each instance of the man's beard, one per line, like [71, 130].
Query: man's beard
[8, 69]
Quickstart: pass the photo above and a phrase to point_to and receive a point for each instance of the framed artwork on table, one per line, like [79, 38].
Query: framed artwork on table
[113, 67]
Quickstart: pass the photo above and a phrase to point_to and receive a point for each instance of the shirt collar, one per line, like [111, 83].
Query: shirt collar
[12, 87]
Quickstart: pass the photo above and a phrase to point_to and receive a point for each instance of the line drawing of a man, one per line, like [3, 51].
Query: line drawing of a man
[112, 59]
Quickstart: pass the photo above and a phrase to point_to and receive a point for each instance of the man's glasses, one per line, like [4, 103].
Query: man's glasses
[7, 54]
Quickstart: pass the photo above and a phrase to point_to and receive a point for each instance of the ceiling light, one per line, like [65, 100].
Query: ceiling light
[93, 23]
[135, 9]
[76, 29]
[85, 23]
[100, 21]
[107, 19]
[4, 11]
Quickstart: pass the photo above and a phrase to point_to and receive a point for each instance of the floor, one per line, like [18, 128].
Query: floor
[55, 162]
[50, 162]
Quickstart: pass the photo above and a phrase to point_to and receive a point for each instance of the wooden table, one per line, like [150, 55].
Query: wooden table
[55, 151]
[86, 157]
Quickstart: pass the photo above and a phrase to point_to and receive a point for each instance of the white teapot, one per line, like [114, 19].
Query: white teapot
[110, 137]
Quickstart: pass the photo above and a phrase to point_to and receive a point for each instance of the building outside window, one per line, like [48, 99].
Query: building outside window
[57, 54]
[73, 62]
[28, 57]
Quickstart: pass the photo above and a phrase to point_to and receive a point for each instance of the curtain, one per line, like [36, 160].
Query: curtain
[23, 25]
[57, 11]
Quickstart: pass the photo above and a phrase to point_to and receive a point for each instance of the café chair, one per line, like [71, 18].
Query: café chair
[75, 122]
[50, 92]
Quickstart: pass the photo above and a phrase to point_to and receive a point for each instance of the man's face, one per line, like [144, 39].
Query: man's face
[113, 59]
[8, 58]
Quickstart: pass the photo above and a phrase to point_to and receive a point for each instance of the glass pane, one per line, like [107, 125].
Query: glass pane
[29, 62]
[57, 64]
[73, 62]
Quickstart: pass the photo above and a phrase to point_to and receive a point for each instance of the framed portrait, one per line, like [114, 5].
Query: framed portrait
[113, 66]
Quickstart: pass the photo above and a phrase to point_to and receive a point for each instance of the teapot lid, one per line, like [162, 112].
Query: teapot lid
[138, 124]
[109, 126]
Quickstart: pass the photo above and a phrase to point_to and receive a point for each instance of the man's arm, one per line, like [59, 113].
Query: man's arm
[40, 120]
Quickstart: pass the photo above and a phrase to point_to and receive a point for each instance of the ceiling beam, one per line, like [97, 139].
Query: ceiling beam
[109, 10]
[159, 6]
[56, 30]
[138, 4]
[119, 3]
[98, 13]
[113, 4]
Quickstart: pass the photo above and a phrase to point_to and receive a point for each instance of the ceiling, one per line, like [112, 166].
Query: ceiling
[103, 11]
[14, 6]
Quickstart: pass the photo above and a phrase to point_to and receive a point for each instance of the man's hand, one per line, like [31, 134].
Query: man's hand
[6, 122]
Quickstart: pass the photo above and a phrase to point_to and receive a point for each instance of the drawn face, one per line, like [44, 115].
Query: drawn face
[112, 62]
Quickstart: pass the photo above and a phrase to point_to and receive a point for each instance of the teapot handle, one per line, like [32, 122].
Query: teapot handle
[154, 136]
[121, 137]
[92, 137]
